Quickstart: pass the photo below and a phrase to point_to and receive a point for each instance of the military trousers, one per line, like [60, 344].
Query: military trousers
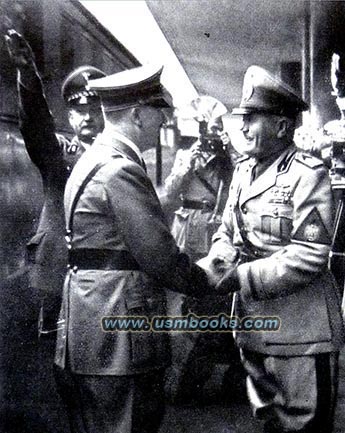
[112, 404]
[292, 394]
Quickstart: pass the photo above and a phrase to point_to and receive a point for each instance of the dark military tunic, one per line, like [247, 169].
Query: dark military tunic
[118, 211]
[54, 156]
[120, 373]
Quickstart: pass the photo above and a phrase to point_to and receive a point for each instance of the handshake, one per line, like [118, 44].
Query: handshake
[221, 269]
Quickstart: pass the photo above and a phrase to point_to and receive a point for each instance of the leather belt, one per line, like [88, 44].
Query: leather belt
[107, 260]
[249, 257]
[196, 204]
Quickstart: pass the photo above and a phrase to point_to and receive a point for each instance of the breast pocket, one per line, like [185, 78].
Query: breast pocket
[179, 227]
[35, 248]
[276, 224]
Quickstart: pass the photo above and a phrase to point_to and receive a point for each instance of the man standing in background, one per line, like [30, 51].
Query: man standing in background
[199, 185]
[54, 156]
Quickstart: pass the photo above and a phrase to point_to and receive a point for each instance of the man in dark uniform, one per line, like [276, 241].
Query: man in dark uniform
[279, 220]
[122, 255]
[54, 156]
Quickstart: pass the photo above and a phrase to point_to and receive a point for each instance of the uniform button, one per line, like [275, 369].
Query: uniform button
[244, 209]
[75, 268]
[275, 212]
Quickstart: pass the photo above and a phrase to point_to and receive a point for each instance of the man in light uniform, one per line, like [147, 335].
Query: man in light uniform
[278, 220]
[199, 183]
[122, 255]
[199, 180]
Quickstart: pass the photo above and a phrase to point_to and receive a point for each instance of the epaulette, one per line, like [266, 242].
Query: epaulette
[242, 159]
[284, 165]
[239, 162]
[308, 160]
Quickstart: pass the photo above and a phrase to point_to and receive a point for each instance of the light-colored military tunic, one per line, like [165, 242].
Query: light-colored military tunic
[286, 219]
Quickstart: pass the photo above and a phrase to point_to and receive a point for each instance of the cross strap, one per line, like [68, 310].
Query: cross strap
[206, 184]
[91, 174]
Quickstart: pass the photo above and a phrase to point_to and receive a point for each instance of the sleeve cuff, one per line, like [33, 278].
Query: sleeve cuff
[249, 286]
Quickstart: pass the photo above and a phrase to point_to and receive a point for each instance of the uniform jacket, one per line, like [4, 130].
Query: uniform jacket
[286, 215]
[193, 228]
[54, 156]
[118, 210]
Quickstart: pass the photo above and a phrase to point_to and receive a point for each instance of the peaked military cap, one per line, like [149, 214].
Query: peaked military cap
[74, 89]
[264, 93]
[137, 86]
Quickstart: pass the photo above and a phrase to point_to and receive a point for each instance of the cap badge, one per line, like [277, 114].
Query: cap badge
[86, 76]
[313, 229]
[311, 232]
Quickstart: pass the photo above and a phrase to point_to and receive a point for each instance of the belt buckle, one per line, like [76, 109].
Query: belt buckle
[206, 205]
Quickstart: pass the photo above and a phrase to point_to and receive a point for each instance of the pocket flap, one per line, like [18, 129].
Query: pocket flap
[278, 212]
[135, 301]
[36, 240]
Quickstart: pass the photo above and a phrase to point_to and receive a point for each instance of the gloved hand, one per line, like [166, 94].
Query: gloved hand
[19, 50]
[229, 283]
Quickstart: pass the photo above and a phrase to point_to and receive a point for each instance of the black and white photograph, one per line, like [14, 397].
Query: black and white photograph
[172, 216]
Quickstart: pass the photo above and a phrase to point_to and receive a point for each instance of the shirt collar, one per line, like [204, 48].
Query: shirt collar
[115, 135]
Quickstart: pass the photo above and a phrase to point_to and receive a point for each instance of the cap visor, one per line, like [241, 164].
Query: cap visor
[241, 111]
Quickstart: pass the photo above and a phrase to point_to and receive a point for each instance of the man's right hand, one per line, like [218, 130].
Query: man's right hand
[19, 50]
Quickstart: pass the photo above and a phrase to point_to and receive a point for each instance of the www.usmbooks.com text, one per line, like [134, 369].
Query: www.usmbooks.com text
[190, 323]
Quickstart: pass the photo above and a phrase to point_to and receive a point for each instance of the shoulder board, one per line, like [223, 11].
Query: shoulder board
[284, 165]
[240, 163]
[242, 159]
[308, 160]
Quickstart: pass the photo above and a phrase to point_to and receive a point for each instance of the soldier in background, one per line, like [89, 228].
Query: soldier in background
[199, 185]
[54, 156]
[335, 129]
[275, 240]
[333, 152]
[199, 180]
